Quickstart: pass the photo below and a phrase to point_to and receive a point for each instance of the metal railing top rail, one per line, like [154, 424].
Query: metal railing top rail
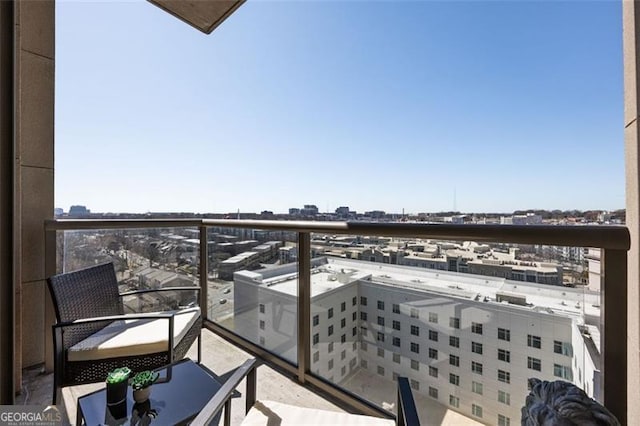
[601, 236]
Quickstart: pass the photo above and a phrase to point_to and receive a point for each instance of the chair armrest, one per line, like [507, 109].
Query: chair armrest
[151, 315]
[223, 395]
[407, 412]
[153, 290]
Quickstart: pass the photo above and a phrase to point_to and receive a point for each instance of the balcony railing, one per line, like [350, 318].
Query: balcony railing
[304, 309]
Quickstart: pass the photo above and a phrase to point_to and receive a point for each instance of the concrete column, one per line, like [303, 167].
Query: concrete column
[34, 132]
[631, 37]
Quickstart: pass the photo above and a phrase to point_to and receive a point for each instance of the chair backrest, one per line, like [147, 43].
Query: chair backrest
[86, 293]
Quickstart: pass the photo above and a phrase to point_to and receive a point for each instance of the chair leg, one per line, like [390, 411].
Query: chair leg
[199, 347]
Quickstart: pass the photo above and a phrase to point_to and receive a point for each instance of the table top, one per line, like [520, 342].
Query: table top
[182, 390]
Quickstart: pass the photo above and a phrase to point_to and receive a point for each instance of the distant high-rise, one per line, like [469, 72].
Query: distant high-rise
[79, 211]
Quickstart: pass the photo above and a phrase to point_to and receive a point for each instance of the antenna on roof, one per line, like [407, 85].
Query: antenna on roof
[455, 204]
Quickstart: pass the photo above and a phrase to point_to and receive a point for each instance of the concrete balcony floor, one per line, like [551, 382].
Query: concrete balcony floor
[221, 357]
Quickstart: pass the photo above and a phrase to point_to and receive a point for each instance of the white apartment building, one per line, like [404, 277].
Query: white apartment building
[468, 342]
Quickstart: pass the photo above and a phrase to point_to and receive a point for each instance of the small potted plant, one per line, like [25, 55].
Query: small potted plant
[141, 384]
[117, 383]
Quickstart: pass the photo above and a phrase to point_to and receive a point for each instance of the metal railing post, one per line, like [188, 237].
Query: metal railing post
[50, 268]
[613, 291]
[204, 272]
[304, 305]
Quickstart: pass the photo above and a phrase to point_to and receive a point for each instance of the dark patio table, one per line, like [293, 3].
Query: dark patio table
[182, 390]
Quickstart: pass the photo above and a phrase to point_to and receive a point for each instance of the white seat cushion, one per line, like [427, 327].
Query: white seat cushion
[277, 413]
[133, 337]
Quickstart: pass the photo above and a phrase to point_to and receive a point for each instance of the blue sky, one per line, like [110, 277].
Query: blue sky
[368, 104]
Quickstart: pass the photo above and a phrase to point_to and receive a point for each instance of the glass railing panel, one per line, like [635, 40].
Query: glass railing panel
[142, 259]
[467, 323]
[253, 286]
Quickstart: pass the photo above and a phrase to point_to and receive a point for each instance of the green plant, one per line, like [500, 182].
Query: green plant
[118, 375]
[144, 379]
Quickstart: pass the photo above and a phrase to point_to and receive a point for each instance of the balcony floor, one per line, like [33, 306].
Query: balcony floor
[221, 357]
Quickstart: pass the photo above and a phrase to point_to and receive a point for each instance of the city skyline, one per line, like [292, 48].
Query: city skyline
[427, 106]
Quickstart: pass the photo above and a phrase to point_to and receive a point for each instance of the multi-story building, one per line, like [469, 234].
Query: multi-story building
[469, 342]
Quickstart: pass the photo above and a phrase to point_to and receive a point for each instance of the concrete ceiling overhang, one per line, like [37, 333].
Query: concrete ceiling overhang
[204, 15]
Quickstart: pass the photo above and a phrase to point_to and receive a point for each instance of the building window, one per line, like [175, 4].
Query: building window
[343, 370]
[343, 355]
[433, 371]
[261, 340]
[330, 330]
[563, 348]
[454, 341]
[395, 376]
[454, 360]
[354, 316]
[433, 353]
[261, 325]
[415, 385]
[330, 312]
[330, 347]
[343, 306]
[395, 308]
[503, 420]
[354, 346]
[454, 322]
[433, 335]
[261, 308]
[354, 301]
[354, 331]
[330, 364]
[454, 379]
[396, 325]
[415, 330]
[414, 313]
[415, 365]
[563, 372]
[380, 337]
[504, 334]
[316, 356]
[316, 320]
[504, 355]
[454, 401]
[363, 316]
[476, 327]
[433, 392]
[381, 321]
[316, 338]
[476, 410]
[534, 363]
[381, 305]
[504, 376]
[476, 348]
[381, 352]
[363, 346]
[343, 338]
[476, 367]
[534, 341]
[415, 347]
[363, 363]
[396, 341]
[343, 323]
[504, 397]
[476, 388]
[396, 358]
[363, 301]
[433, 317]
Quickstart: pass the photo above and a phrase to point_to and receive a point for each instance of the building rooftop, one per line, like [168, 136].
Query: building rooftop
[338, 272]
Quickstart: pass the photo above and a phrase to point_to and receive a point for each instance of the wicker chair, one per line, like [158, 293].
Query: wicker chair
[90, 316]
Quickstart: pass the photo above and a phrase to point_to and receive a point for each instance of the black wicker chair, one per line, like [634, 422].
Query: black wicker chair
[86, 301]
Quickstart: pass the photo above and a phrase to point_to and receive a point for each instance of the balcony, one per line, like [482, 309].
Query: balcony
[345, 328]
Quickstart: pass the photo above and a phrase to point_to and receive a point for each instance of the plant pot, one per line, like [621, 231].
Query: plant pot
[116, 392]
[141, 395]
